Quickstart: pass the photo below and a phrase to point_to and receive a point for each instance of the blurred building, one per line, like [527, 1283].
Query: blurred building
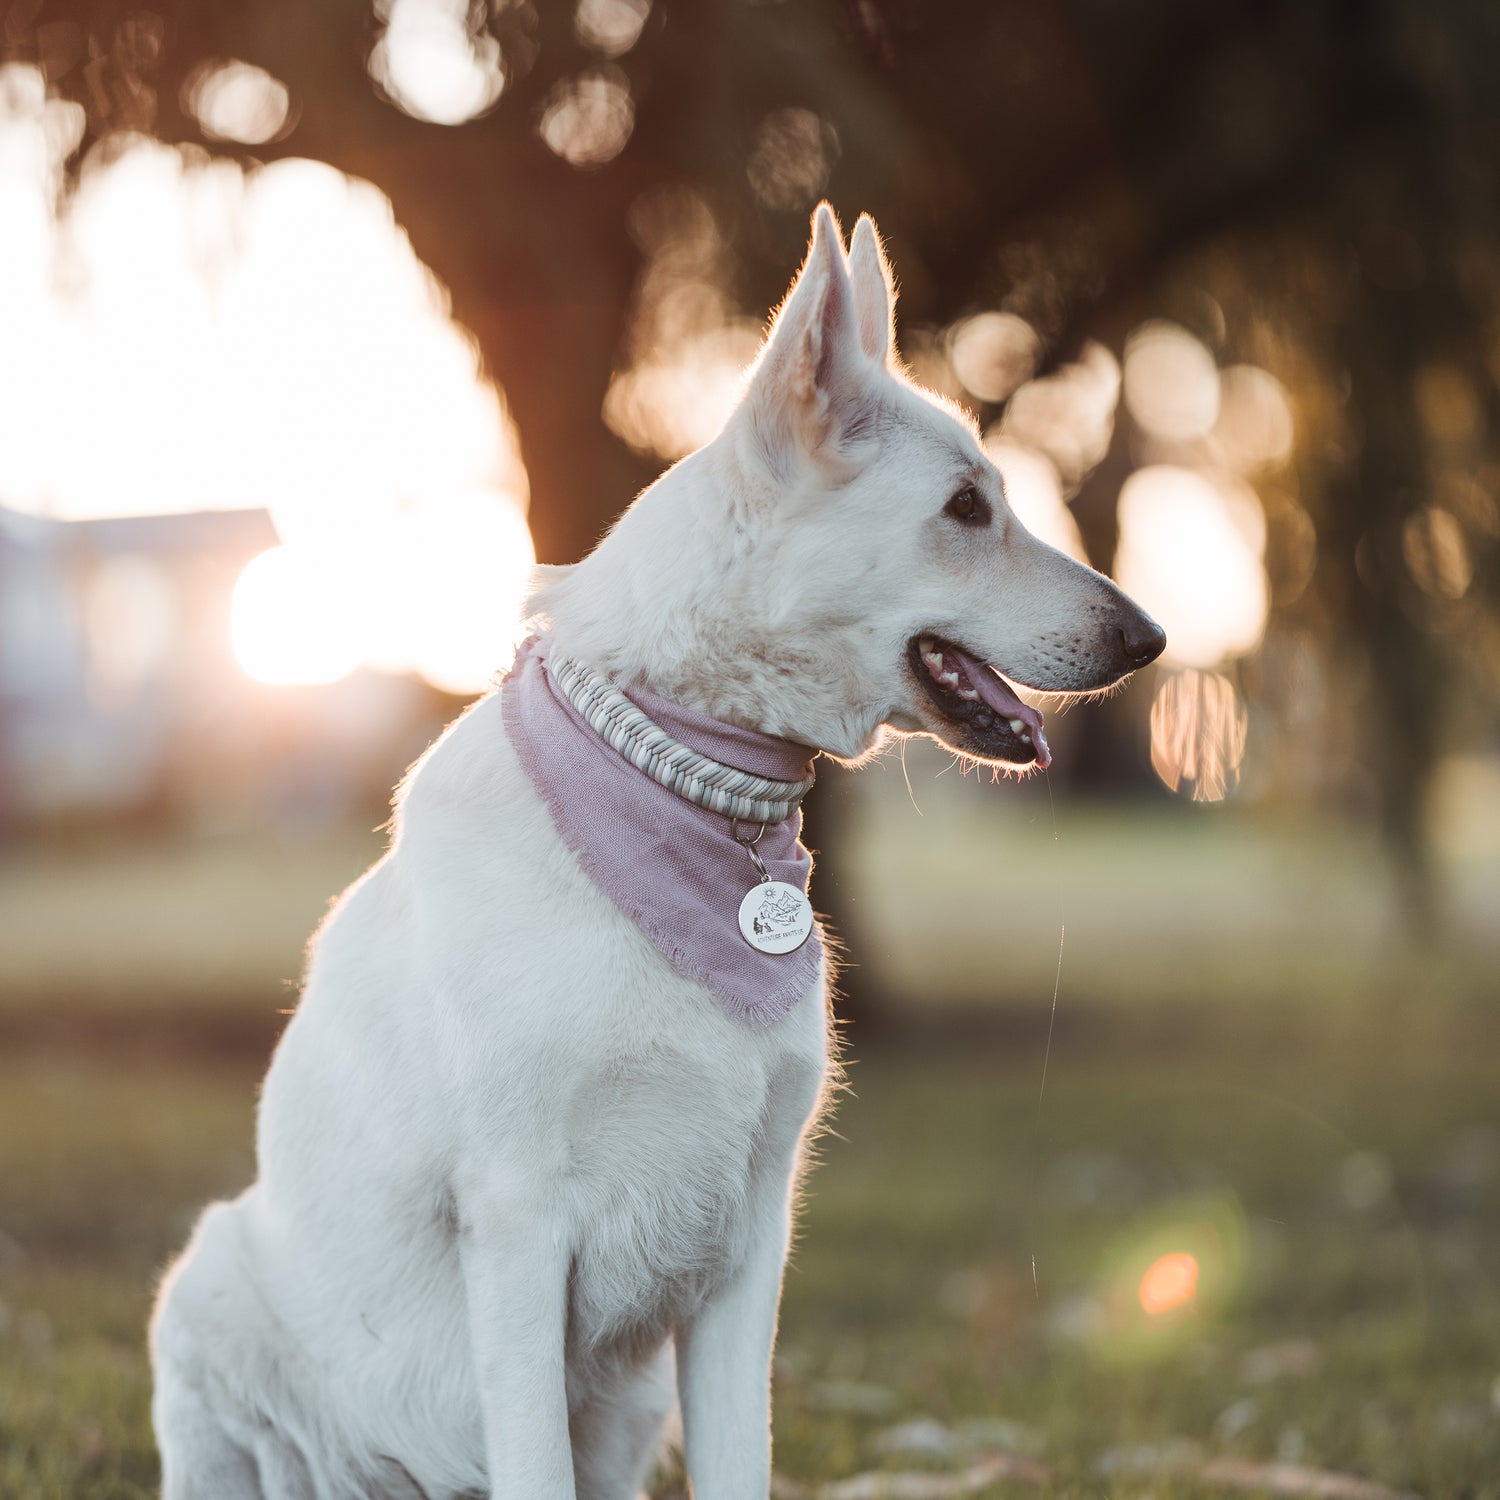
[120, 694]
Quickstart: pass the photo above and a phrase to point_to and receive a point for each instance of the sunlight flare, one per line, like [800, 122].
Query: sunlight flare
[437, 593]
[184, 333]
[1170, 1283]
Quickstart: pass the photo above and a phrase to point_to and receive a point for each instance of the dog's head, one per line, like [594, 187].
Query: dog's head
[892, 536]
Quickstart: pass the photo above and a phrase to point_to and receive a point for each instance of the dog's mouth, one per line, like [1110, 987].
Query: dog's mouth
[990, 719]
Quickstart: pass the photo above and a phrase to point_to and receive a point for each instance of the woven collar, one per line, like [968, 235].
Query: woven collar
[694, 774]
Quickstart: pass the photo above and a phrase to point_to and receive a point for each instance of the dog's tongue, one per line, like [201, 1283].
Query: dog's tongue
[1000, 696]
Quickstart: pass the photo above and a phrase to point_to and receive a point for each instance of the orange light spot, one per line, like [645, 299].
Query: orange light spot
[1170, 1282]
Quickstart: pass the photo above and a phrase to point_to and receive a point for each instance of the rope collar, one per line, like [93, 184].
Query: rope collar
[649, 748]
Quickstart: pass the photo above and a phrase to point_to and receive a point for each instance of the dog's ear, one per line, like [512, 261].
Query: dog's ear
[874, 290]
[812, 394]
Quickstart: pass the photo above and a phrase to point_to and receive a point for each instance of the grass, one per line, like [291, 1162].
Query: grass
[102, 1168]
[1247, 1066]
[1220, 908]
[1355, 1253]
[182, 926]
[1347, 1312]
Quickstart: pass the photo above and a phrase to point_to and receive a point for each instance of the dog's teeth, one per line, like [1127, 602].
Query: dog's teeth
[1018, 726]
[948, 679]
[968, 695]
[933, 659]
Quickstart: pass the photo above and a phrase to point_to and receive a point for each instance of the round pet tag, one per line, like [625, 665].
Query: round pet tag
[775, 917]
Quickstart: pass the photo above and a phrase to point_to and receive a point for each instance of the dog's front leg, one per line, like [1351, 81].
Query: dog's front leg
[515, 1264]
[724, 1358]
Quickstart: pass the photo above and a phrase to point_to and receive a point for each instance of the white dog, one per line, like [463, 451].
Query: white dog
[525, 1162]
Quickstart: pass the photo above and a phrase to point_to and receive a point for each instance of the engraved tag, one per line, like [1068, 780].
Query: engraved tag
[775, 917]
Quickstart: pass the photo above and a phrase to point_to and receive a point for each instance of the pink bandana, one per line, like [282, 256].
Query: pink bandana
[672, 867]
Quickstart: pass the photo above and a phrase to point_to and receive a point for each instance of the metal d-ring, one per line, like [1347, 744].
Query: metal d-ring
[748, 845]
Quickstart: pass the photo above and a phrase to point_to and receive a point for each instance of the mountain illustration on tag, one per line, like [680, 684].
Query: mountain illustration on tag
[775, 917]
[779, 911]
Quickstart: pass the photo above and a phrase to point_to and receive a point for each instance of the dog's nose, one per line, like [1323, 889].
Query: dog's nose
[1143, 639]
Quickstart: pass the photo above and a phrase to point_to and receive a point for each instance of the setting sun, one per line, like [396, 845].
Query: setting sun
[275, 319]
[287, 625]
[436, 591]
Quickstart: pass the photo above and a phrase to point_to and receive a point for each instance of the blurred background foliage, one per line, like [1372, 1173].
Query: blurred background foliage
[1220, 284]
[320, 320]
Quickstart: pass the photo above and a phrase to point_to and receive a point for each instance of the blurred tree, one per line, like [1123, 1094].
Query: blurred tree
[1083, 164]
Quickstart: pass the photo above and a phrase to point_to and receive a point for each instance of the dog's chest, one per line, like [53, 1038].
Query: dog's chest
[670, 1160]
[664, 1129]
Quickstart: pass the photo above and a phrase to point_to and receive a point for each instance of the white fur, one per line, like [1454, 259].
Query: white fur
[513, 1166]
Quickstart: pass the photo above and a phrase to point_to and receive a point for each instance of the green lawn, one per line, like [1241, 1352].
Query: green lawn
[957, 890]
[189, 926]
[1344, 1209]
[953, 895]
[1249, 1067]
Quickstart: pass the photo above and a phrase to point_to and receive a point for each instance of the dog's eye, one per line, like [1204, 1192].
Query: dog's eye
[969, 506]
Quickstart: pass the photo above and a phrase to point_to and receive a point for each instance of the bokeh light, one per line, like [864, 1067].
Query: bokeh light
[1170, 1283]
[1034, 490]
[1436, 554]
[1254, 428]
[1198, 733]
[673, 404]
[610, 27]
[1171, 383]
[587, 120]
[1190, 552]
[435, 60]
[1181, 1256]
[794, 152]
[690, 346]
[236, 101]
[1069, 415]
[993, 353]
